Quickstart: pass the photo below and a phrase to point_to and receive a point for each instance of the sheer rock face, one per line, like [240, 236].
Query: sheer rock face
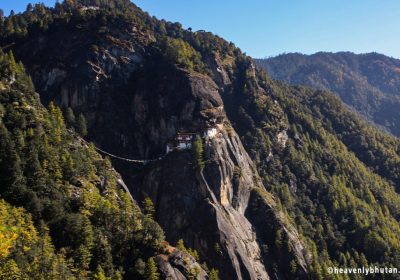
[134, 108]
[207, 208]
[229, 178]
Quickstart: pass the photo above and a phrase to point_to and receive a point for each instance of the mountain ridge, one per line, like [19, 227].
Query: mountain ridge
[367, 82]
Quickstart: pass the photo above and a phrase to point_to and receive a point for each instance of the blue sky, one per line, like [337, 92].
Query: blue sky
[269, 27]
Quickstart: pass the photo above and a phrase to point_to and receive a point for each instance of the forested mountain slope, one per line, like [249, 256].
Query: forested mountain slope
[370, 82]
[281, 182]
[77, 221]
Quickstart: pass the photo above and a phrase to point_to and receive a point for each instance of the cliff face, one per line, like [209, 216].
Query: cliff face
[207, 208]
[135, 102]
[61, 200]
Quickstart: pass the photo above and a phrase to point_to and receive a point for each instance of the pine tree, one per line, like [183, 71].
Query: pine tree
[148, 207]
[69, 117]
[181, 245]
[140, 266]
[214, 274]
[13, 63]
[194, 254]
[198, 153]
[11, 176]
[29, 7]
[151, 272]
[33, 170]
[81, 126]
[57, 121]
[99, 274]
[9, 270]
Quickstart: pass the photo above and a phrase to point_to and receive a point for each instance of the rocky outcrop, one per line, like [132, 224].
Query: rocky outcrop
[281, 139]
[207, 208]
[178, 265]
[229, 178]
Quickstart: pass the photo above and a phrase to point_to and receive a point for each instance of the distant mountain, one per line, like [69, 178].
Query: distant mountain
[370, 83]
